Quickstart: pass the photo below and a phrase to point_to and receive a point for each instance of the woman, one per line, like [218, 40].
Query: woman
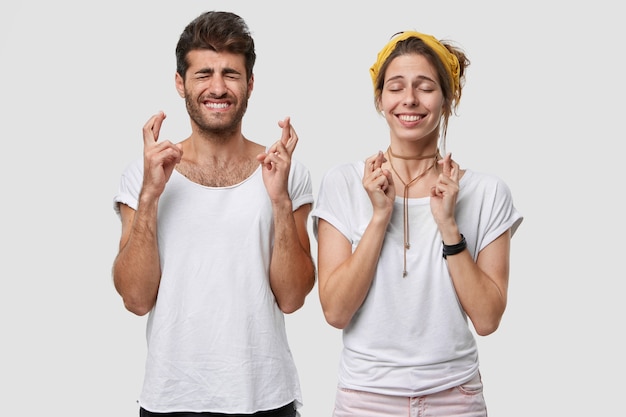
[410, 245]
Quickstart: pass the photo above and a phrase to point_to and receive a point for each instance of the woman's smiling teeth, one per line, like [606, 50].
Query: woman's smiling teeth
[409, 118]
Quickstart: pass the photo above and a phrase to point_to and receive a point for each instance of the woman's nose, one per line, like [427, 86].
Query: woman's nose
[410, 98]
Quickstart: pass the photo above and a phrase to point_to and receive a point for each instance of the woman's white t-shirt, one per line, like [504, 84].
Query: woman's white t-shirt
[411, 336]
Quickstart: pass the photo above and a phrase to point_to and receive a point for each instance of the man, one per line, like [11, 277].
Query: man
[214, 242]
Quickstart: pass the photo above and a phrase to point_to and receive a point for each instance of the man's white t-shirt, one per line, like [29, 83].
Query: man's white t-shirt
[216, 339]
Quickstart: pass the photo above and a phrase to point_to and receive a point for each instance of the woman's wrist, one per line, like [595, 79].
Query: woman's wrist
[449, 250]
[450, 233]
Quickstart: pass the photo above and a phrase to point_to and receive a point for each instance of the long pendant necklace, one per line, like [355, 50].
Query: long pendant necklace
[407, 243]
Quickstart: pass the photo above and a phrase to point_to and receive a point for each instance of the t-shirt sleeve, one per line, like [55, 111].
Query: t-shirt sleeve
[129, 186]
[502, 216]
[337, 192]
[300, 185]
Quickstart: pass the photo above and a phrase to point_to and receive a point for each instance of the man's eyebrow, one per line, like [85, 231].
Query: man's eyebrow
[229, 70]
[205, 71]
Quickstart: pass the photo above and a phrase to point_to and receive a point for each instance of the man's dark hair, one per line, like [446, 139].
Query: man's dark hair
[216, 31]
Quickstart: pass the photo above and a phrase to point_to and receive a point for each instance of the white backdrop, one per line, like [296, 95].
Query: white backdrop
[542, 109]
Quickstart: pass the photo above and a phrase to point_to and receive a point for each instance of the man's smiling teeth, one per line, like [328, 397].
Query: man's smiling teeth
[217, 105]
[407, 118]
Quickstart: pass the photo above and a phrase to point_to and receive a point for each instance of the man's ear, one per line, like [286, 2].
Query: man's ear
[180, 85]
[250, 85]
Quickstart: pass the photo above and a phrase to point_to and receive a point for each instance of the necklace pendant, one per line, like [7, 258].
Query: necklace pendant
[404, 274]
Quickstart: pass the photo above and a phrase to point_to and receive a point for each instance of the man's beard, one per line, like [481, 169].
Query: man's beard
[219, 125]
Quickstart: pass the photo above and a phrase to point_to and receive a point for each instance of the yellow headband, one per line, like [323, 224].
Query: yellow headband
[449, 60]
